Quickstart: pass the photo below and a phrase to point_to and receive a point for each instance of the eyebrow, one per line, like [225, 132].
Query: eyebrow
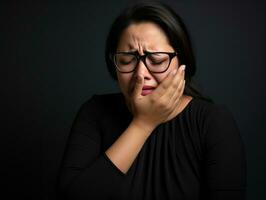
[136, 52]
[132, 49]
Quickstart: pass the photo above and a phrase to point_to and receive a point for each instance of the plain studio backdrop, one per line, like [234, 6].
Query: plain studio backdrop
[53, 60]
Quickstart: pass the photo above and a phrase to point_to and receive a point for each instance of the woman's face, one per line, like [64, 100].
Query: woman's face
[141, 37]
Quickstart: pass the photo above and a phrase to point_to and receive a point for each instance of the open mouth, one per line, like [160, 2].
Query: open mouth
[147, 90]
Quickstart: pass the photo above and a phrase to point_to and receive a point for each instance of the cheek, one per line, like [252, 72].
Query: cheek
[124, 81]
[173, 65]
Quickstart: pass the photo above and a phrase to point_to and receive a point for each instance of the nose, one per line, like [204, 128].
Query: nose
[141, 69]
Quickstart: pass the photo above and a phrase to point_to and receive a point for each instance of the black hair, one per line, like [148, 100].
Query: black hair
[174, 28]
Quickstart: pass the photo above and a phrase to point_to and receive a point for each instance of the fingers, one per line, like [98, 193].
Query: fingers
[175, 91]
[177, 97]
[138, 86]
[176, 100]
[174, 85]
[164, 85]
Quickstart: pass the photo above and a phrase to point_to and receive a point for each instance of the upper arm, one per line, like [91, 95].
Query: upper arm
[83, 144]
[225, 159]
[86, 172]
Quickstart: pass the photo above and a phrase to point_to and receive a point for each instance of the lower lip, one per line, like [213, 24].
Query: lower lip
[146, 92]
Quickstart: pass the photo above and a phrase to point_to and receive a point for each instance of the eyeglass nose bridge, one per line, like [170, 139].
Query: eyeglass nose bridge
[141, 58]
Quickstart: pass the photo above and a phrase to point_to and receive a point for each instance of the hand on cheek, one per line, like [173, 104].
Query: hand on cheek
[159, 106]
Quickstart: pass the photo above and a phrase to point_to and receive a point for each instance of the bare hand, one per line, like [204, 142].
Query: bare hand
[162, 104]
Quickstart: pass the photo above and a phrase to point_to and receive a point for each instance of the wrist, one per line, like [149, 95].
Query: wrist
[145, 126]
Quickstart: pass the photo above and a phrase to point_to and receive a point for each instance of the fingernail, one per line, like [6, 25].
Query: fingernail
[183, 67]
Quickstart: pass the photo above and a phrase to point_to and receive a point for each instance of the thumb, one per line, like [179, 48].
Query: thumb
[138, 86]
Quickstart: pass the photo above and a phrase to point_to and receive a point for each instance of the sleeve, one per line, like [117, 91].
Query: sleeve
[225, 157]
[86, 172]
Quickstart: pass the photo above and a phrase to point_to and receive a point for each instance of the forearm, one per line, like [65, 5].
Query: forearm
[126, 148]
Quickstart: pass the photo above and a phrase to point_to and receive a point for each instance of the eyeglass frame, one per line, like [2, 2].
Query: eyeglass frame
[143, 59]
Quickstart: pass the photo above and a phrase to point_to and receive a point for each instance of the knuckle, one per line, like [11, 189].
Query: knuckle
[181, 90]
[183, 85]
[162, 103]
[168, 106]
[153, 99]
[164, 86]
[175, 84]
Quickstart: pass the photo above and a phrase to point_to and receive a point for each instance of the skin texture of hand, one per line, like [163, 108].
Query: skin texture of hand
[162, 104]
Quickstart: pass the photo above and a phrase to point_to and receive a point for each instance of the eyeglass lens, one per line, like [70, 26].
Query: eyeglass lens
[156, 62]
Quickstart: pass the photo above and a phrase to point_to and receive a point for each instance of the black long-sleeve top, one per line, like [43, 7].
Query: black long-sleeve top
[197, 155]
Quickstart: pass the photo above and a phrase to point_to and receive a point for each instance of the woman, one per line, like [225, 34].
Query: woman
[160, 138]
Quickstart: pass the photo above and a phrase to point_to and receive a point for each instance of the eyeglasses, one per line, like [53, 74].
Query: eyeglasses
[155, 62]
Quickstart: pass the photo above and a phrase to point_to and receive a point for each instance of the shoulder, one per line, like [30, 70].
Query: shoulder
[207, 109]
[210, 114]
[216, 121]
[99, 104]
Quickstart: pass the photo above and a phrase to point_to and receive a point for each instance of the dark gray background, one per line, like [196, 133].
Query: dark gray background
[53, 60]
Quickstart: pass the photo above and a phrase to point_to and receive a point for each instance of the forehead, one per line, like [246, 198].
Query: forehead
[143, 35]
